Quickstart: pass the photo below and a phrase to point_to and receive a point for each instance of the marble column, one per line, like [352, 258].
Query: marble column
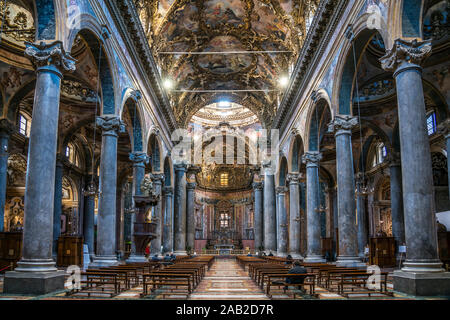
[398, 220]
[404, 60]
[6, 129]
[348, 246]
[57, 207]
[139, 160]
[155, 244]
[168, 220]
[190, 214]
[89, 216]
[314, 250]
[179, 211]
[270, 223]
[444, 129]
[294, 215]
[106, 254]
[422, 272]
[258, 214]
[361, 198]
[36, 272]
[282, 233]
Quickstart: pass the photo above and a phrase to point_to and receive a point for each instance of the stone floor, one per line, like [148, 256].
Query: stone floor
[226, 280]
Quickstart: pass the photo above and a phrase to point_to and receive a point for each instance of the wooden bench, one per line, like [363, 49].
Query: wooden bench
[98, 284]
[309, 281]
[350, 280]
[159, 280]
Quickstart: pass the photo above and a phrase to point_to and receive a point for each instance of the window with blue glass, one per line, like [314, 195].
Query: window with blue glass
[431, 123]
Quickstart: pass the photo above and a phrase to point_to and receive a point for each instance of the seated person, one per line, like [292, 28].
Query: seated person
[173, 256]
[156, 258]
[270, 254]
[297, 268]
[249, 254]
[289, 259]
[167, 260]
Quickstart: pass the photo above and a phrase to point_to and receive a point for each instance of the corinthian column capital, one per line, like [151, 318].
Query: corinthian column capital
[257, 186]
[139, 158]
[406, 54]
[281, 190]
[342, 124]
[293, 177]
[444, 128]
[53, 54]
[312, 158]
[110, 124]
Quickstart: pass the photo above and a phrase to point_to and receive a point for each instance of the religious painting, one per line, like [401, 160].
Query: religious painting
[224, 12]
[221, 63]
[184, 20]
[265, 21]
[14, 214]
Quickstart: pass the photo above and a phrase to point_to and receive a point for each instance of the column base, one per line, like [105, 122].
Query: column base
[314, 259]
[180, 253]
[296, 256]
[36, 265]
[104, 261]
[136, 258]
[350, 262]
[33, 283]
[427, 266]
[281, 254]
[422, 284]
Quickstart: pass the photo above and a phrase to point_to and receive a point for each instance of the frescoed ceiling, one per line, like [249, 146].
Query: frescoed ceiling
[178, 30]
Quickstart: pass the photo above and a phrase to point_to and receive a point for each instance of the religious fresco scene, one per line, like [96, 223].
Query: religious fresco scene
[224, 150]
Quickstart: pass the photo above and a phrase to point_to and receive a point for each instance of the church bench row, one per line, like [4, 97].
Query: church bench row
[279, 280]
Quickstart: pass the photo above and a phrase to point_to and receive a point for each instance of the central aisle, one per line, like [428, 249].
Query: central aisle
[227, 281]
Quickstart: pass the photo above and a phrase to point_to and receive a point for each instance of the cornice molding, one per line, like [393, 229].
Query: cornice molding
[327, 17]
[130, 28]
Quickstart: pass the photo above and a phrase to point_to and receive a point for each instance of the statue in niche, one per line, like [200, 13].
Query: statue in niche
[147, 187]
[14, 217]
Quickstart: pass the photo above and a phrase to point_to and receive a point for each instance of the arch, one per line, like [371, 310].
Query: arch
[431, 92]
[95, 37]
[295, 154]
[132, 106]
[12, 108]
[345, 76]
[316, 122]
[45, 22]
[168, 169]
[154, 149]
[411, 16]
[282, 171]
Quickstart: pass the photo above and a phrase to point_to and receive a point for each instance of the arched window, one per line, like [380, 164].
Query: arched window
[379, 154]
[431, 123]
[24, 124]
[72, 154]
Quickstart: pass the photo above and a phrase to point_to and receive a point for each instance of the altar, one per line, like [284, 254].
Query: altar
[224, 249]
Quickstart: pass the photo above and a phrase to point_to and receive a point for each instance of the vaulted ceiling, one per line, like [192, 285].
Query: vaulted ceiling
[199, 45]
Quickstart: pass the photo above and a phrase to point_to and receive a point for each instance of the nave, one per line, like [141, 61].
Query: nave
[229, 278]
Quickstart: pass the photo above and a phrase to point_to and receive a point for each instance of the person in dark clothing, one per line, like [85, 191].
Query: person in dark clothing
[270, 254]
[173, 256]
[167, 260]
[288, 259]
[297, 268]
[156, 258]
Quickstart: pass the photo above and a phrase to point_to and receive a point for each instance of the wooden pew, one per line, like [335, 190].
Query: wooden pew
[310, 281]
[98, 284]
[157, 280]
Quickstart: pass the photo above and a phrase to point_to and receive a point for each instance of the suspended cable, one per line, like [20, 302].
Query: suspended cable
[320, 207]
[222, 52]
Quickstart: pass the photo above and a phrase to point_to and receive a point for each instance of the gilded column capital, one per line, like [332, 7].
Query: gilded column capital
[312, 158]
[139, 158]
[168, 190]
[444, 128]
[257, 185]
[110, 124]
[342, 124]
[281, 190]
[44, 55]
[406, 54]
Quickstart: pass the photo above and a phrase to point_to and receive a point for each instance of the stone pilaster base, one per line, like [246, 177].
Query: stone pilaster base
[422, 284]
[136, 258]
[180, 253]
[354, 262]
[33, 283]
[281, 254]
[296, 256]
[314, 259]
[104, 261]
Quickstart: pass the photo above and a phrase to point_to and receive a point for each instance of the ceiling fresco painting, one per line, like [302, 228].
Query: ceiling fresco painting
[237, 50]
